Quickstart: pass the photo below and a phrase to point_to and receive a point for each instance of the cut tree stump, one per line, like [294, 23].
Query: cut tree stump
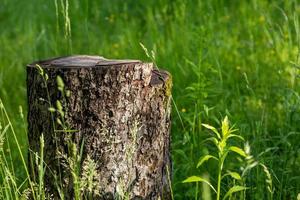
[112, 116]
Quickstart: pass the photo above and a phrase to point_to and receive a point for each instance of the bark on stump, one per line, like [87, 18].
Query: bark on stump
[118, 113]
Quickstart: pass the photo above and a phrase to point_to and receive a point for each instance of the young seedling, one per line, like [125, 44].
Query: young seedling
[223, 148]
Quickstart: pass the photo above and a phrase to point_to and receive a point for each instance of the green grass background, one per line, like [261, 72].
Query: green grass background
[237, 58]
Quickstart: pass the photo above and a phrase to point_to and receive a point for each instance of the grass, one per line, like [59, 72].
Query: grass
[237, 58]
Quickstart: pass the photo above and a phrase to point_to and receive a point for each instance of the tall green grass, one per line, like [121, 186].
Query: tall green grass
[237, 58]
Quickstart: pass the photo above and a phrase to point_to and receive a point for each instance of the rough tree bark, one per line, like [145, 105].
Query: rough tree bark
[116, 111]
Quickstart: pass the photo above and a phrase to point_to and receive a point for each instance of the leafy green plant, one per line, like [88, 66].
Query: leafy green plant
[221, 142]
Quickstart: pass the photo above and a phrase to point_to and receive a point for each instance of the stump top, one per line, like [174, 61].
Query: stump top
[80, 61]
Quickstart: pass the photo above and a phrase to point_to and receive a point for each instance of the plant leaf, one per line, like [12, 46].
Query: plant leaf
[238, 136]
[205, 158]
[213, 129]
[193, 179]
[212, 139]
[234, 175]
[232, 129]
[51, 109]
[238, 150]
[236, 188]
[60, 83]
[41, 71]
[5, 129]
[225, 127]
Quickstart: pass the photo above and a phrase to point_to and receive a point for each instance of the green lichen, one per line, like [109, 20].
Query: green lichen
[168, 89]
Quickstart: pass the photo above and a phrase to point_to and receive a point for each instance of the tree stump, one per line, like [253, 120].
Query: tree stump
[107, 117]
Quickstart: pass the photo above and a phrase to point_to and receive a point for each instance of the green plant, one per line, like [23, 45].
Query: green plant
[10, 188]
[221, 141]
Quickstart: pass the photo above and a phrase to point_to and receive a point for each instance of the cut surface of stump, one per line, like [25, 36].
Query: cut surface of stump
[116, 112]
